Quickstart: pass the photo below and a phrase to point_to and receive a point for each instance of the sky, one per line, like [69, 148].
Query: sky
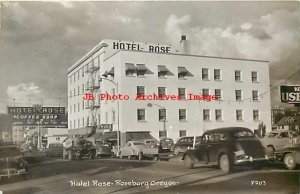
[39, 41]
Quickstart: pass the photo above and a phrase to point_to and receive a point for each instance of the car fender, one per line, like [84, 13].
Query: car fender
[191, 153]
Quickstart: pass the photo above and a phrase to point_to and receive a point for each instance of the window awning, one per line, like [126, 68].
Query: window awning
[105, 74]
[183, 70]
[162, 68]
[130, 67]
[142, 67]
[111, 72]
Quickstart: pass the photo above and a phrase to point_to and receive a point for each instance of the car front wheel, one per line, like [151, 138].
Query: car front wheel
[289, 161]
[188, 162]
[225, 164]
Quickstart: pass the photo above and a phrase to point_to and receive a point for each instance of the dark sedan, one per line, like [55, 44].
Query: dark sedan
[184, 143]
[227, 147]
[290, 156]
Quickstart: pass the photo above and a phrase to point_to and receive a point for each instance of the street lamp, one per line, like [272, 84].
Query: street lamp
[161, 107]
[118, 112]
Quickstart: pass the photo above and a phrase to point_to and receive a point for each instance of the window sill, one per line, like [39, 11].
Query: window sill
[219, 120]
[130, 76]
[255, 101]
[162, 121]
[142, 121]
[238, 81]
[183, 121]
[218, 80]
[255, 82]
[205, 79]
[240, 120]
[162, 77]
[239, 100]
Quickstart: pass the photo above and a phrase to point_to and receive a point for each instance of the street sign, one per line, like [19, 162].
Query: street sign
[290, 94]
[106, 126]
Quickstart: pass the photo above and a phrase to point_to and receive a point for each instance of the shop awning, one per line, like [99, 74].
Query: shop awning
[107, 136]
[165, 70]
[142, 67]
[137, 136]
[183, 70]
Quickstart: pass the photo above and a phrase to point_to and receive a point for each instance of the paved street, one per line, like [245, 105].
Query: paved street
[124, 176]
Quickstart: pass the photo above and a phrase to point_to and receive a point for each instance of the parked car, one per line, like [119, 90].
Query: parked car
[166, 145]
[278, 139]
[103, 149]
[290, 156]
[78, 148]
[55, 150]
[12, 162]
[184, 143]
[152, 143]
[227, 147]
[137, 149]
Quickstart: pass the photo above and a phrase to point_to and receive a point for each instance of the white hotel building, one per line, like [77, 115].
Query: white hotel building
[242, 87]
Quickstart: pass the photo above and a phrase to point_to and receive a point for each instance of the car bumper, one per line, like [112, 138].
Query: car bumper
[251, 160]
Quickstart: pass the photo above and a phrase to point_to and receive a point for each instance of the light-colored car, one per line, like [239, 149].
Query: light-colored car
[137, 149]
[278, 139]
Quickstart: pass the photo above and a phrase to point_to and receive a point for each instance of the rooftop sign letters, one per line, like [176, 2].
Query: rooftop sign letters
[290, 94]
[140, 47]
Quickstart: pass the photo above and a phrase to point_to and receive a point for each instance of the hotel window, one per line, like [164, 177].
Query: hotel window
[255, 115]
[162, 115]
[78, 91]
[162, 134]
[130, 69]
[205, 92]
[206, 114]
[82, 88]
[238, 95]
[142, 70]
[78, 75]
[78, 122]
[82, 105]
[182, 133]
[70, 109]
[74, 108]
[217, 74]
[111, 72]
[183, 73]
[182, 114]
[254, 95]
[83, 122]
[237, 75]
[70, 93]
[82, 71]
[239, 115]
[98, 120]
[181, 93]
[140, 90]
[87, 121]
[205, 75]
[161, 91]
[254, 76]
[218, 94]
[113, 116]
[70, 78]
[78, 107]
[163, 71]
[218, 115]
[141, 115]
[74, 76]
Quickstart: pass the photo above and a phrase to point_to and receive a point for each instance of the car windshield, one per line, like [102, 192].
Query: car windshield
[239, 134]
